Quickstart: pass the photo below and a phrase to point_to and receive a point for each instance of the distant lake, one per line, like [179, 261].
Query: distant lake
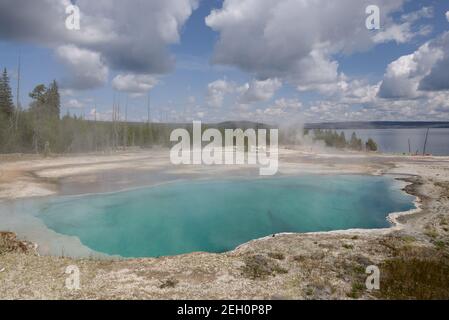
[396, 140]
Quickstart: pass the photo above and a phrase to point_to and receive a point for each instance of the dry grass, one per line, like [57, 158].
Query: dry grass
[4, 248]
[169, 283]
[261, 267]
[9, 243]
[276, 255]
[417, 273]
[412, 271]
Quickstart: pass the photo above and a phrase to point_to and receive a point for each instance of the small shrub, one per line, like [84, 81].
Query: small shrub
[309, 291]
[279, 270]
[359, 269]
[431, 233]
[169, 283]
[356, 290]
[260, 267]
[418, 274]
[276, 255]
[4, 248]
[9, 243]
[440, 244]
[408, 239]
[299, 258]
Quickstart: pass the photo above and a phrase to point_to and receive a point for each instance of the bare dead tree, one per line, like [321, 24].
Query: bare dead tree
[17, 113]
[125, 125]
[149, 108]
[425, 142]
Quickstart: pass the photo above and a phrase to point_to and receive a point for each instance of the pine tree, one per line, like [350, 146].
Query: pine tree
[53, 100]
[6, 104]
[341, 141]
[371, 145]
[38, 94]
[355, 143]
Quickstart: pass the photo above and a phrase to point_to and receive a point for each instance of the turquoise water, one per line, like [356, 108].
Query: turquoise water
[220, 215]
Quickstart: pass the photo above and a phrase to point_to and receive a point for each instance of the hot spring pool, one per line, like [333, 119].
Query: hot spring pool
[217, 216]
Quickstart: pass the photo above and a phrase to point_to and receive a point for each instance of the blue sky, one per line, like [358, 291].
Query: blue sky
[248, 60]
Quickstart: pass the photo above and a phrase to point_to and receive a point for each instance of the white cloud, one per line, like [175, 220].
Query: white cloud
[200, 114]
[74, 104]
[424, 69]
[129, 38]
[136, 84]
[424, 12]
[447, 16]
[294, 41]
[405, 32]
[66, 92]
[243, 96]
[95, 114]
[359, 92]
[287, 104]
[316, 69]
[438, 77]
[257, 91]
[400, 33]
[346, 90]
[87, 68]
[216, 92]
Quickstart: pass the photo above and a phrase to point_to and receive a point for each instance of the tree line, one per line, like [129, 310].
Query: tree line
[41, 129]
[335, 140]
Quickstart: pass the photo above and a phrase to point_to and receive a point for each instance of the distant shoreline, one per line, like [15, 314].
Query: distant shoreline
[357, 125]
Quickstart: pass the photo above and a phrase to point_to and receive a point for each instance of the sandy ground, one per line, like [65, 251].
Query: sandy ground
[297, 266]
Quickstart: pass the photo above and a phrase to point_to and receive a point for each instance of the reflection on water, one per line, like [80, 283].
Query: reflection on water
[396, 140]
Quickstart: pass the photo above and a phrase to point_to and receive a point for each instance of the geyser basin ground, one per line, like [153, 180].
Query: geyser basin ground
[217, 216]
